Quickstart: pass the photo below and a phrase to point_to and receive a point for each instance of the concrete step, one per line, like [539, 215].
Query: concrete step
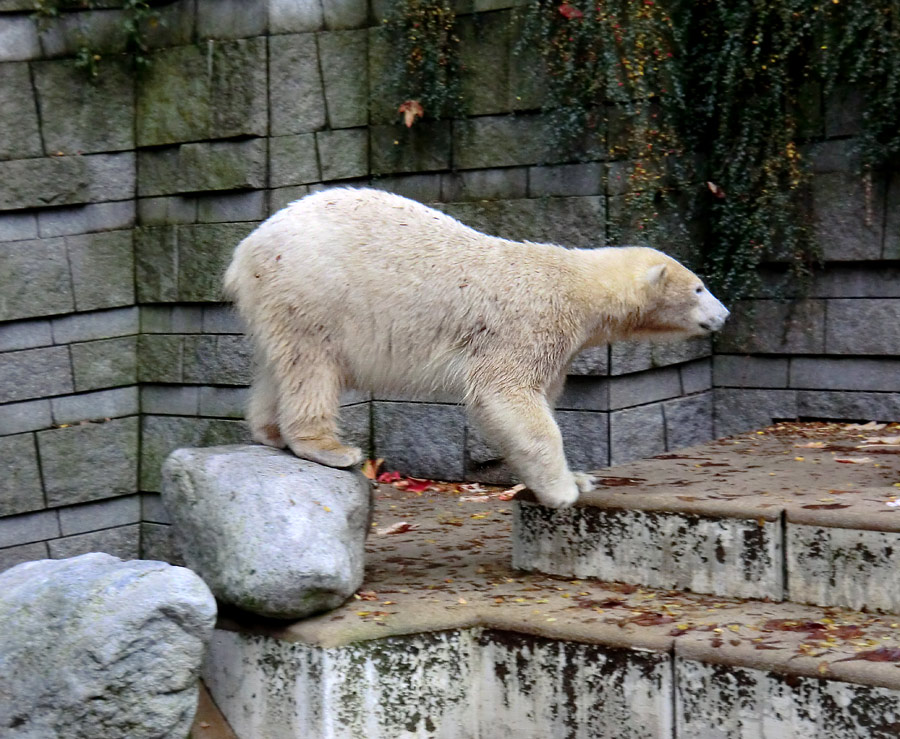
[446, 640]
[801, 512]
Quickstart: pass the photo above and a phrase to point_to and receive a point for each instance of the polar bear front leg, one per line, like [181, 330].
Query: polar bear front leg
[308, 403]
[521, 423]
[262, 408]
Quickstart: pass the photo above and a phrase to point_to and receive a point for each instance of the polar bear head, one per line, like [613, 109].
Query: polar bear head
[677, 303]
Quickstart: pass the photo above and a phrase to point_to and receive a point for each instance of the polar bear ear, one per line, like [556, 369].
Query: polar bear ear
[656, 275]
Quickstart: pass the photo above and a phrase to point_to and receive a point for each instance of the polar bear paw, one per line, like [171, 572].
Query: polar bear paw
[269, 435]
[585, 481]
[561, 495]
[329, 452]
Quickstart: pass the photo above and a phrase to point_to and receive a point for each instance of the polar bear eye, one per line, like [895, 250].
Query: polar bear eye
[699, 289]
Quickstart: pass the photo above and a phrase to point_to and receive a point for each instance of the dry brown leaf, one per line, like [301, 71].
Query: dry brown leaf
[852, 460]
[398, 528]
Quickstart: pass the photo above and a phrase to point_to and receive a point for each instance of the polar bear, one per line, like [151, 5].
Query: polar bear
[360, 288]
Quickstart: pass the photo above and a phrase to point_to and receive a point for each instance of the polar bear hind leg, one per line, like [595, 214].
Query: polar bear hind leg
[262, 408]
[308, 385]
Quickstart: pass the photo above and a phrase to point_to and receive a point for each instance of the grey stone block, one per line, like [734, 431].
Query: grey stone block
[774, 327]
[284, 196]
[104, 514]
[498, 141]
[845, 373]
[221, 359]
[65, 34]
[89, 461]
[153, 509]
[158, 543]
[231, 18]
[222, 319]
[696, 376]
[223, 402]
[426, 188]
[485, 184]
[566, 179]
[34, 279]
[644, 387]
[18, 226]
[80, 116]
[24, 335]
[424, 147]
[19, 134]
[689, 420]
[19, 39]
[297, 97]
[173, 319]
[585, 438]
[343, 154]
[102, 267]
[585, 393]
[176, 26]
[35, 373]
[863, 327]
[848, 406]
[175, 400]
[356, 426]
[593, 361]
[291, 16]
[231, 207]
[420, 439]
[20, 483]
[167, 211]
[577, 222]
[844, 224]
[630, 356]
[345, 14]
[105, 363]
[873, 280]
[159, 358]
[86, 218]
[16, 418]
[110, 176]
[344, 65]
[833, 156]
[163, 434]
[223, 165]
[843, 567]
[12, 556]
[674, 352]
[28, 527]
[484, 54]
[192, 93]
[743, 410]
[37, 183]
[483, 463]
[746, 371]
[156, 263]
[292, 160]
[123, 542]
[843, 111]
[105, 324]
[636, 433]
[101, 404]
[204, 252]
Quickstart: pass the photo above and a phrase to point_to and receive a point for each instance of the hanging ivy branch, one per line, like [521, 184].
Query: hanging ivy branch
[423, 69]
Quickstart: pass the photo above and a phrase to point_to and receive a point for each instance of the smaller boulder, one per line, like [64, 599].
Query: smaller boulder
[269, 533]
[96, 647]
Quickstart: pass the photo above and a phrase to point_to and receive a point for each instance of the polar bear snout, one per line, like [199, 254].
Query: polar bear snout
[710, 314]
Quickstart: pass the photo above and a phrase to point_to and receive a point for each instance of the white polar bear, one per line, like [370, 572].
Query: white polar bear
[365, 289]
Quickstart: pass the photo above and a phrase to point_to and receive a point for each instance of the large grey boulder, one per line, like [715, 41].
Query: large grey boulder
[268, 532]
[96, 647]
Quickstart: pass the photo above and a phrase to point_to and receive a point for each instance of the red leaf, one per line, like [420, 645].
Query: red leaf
[415, 485]
[389, 477]
[881, 654]
[411, 110]
[569, 12]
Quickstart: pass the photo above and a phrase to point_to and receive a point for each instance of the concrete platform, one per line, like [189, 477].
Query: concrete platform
[445, 639]
[802, 512]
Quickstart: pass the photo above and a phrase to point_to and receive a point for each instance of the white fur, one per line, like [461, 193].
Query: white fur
[365, 289]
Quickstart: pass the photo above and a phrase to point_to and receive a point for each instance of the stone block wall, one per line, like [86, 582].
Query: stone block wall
[122, 199]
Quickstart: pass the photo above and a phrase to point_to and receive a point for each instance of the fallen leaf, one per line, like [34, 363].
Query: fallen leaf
[371, 468]
[870, 426]
[367, 595]
[825, 506]
[569, 12]
[511, 492]
[398, 528]
[852, 460]
[411, 110]
[811, 445]
[651, 619]
[716, 190]
[416, 485]
[789, 624]
[612, 482]
[881, 654]
[889, 440]
[388, 477]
